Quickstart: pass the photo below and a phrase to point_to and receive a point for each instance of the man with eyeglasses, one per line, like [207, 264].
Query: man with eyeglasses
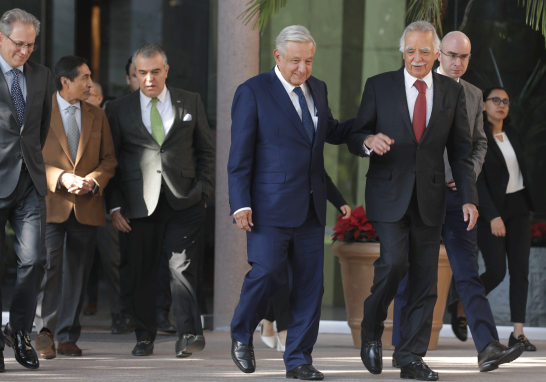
[25, 112]
[461, 244]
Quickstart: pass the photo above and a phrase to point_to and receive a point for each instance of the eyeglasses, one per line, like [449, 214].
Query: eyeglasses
[453, 57]
[497, 101]
[19, 45]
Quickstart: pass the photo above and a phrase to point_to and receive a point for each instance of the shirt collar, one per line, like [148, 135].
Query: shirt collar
[438, 71]
[288, 86]
[145, 100]
[410, 80]
[63, 104]
[7, 67]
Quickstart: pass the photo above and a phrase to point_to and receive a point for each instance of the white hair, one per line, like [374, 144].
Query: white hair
[421, 26]
[297, 33]
[149, 51]
[10, 17]
[98, 87]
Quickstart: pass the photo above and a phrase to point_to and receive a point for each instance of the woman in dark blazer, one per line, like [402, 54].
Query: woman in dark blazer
[504, 225]
[279, 304]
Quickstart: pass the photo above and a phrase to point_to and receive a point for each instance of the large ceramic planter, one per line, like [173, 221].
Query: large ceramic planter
[357, 270]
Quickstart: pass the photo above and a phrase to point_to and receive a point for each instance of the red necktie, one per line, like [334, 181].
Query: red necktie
[420, 110]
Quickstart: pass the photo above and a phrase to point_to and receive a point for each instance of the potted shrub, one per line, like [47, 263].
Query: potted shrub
[357, 246]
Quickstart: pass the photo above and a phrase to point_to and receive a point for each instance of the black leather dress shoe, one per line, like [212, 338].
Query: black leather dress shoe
[2, 367]
[418, 370]
[458, 324]
[24, 352]
[163, 323]
[521, 339]
[188, 344]
[305, 372]
[395, 360]
[371, 354]
[123, 326]
[496, 354]
[243, 356]
[143, 348]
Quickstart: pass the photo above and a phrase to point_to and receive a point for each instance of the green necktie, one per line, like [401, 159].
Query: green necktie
[157, 124]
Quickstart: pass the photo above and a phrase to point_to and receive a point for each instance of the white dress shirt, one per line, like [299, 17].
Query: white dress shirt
[63, 108]
[412, 92]
[8, 75]
[515, 181]
[164, 106]
[296, 102]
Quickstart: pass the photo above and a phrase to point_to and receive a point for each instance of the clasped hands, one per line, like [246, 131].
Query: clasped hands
[76, 184]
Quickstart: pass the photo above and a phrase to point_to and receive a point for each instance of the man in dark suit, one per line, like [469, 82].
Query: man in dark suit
[406, 120]
[461, 244]
[25, 112]
[277, 191]
[166, 157]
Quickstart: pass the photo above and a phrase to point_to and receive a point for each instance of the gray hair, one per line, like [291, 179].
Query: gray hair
[148, 51]
[98, 87]
[297, 33]
[10, 17]
[421, 26]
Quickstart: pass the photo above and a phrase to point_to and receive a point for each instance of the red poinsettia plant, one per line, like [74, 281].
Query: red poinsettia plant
[356, 228]
[538, 234]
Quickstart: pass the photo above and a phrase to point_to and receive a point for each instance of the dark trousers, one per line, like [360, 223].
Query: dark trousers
[279, 306]
[462, 251]
[176, 232]
[25, 209]
[516, 246]
[164, 295]
[63, 286]
[407, 240]
[268, 252]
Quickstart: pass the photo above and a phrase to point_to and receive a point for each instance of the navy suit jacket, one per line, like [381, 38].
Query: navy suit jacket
[273, 165]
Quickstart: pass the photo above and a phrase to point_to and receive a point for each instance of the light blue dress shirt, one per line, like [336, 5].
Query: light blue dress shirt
[8, 75]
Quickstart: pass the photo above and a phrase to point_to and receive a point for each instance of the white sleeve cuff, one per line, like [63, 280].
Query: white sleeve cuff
[114, 209]
[367, 150]
[242, 209]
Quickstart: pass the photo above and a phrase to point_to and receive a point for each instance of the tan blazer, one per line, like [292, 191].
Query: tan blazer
[96, 158]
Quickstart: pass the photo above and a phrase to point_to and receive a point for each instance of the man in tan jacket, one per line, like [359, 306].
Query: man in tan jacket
[79, 160]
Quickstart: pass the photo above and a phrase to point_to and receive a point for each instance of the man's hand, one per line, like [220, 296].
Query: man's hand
[451, 185]
[471, 214]
[379, 143]
[84, 185]
[497, 227]
[121, 223]
[244, 219]
[68, 180]
[346, 210]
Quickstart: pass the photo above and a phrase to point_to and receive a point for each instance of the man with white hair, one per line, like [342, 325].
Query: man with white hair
[406, 120]
[277, 191]
[461, 244]
[25, 113]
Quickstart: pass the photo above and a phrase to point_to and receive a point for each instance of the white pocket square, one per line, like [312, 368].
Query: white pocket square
[187, 117]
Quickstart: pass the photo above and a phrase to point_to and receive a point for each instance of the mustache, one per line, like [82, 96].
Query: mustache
[418, 64]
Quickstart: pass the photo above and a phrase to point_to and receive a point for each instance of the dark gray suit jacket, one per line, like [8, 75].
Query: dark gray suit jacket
[184, 163]
[474, 106]
[26, 141]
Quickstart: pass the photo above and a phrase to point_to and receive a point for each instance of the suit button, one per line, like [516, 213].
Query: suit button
[159, 171]
[413, 171]
[418, 149]
[19, 156]
[21, 137]
[162, 151]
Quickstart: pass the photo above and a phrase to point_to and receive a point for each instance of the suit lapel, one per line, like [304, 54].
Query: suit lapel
[494, 146]
[439, 91]
[514, 141]
[318, 106]
[283, 100]
[398, 90]
[6, 95]
[136, 114]
[177, 103]
[87, 125]
[30, 79]
[58, 128]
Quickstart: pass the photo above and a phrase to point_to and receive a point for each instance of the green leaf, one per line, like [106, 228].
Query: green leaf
[260, 11]
[429, 10]
[535, 14]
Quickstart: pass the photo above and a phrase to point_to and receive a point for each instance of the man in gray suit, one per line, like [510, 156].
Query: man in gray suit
[166, 157]
[25, 112]
[461, 244]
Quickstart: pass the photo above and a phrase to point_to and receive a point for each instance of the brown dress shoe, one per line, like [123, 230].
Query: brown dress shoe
[45, 344]
[69, 348]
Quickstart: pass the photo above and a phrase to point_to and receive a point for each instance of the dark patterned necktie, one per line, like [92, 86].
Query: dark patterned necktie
[17, 96]
[420, 110]
[305, 114]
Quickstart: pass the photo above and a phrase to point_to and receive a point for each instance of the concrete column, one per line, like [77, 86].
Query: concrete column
[238, 60]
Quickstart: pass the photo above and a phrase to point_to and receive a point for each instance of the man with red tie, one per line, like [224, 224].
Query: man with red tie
[406, 120]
